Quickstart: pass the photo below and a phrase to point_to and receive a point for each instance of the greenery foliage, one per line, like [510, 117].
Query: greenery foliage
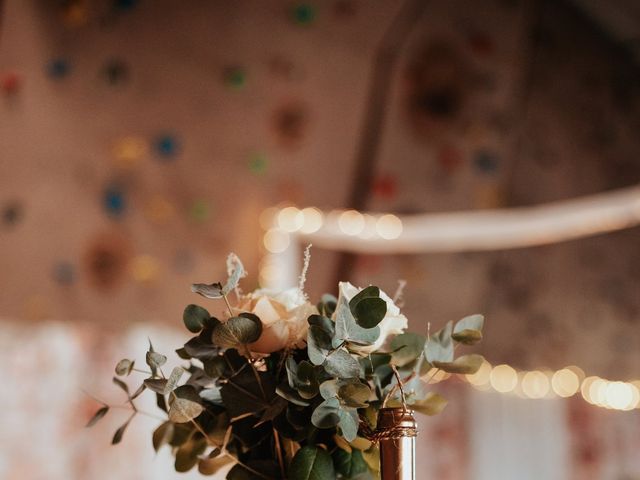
[296, 413]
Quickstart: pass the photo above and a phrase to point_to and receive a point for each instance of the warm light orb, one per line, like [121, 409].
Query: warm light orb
[565, 383]
[351, 222]
[618, 395]
[290, 219]
[578, 371]
[268, 218]
[585, 388]
[597, 392]
[503, 378]
[312, 220]
[389, 227]
[635, 390]
[369, 230]
[535, 384]
[276, 241]
[481, 377]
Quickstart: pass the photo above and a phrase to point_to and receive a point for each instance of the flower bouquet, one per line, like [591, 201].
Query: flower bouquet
[281, 388]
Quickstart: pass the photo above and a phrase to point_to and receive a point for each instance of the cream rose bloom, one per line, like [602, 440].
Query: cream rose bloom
[283, 316]
[394, 323]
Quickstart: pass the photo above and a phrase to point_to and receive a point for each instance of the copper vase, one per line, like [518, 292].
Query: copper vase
[397, 431]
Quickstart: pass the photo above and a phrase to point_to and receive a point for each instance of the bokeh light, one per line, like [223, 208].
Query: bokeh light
[535, 384]
[565, 382]
[290, 219]
[503, 378]
[276, 240]
[313, 220]
[351, 222]
[389, 227]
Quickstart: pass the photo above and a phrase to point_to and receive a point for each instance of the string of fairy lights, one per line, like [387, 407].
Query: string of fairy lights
[286, 225]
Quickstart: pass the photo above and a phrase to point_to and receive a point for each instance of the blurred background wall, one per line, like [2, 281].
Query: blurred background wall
[141, 140]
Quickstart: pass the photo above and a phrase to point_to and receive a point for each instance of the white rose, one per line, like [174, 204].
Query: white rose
[283, 316]
[394, 323]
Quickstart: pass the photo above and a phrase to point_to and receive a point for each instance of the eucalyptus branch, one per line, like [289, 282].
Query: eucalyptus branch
[255, 372]
[276, 437]
[226, 301]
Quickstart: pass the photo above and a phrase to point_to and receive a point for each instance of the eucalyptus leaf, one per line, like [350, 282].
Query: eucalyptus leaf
[349, 423]
[372, 458]
[157, 385]
[311, 463]
[469, 329]
[138, 392]
[187, 456]
[327, 414]
[327, 305]
[355, 394]
[213, 290]
[211, 466]
[439, 347]
[302, 377]
[124, 367]
[340, 363]
[368, 292]
[288, 393]
[162, 435]
[117, 437]
[464, 365]
[122, 385]
[325, 323]
[157, 359]
[182, 411]
[241, 330]
[347, 330]
[329, 388]
[318, 344]
[214, 367]
[154, 360]
[194, 317]
[184, 404]
[174, 378]
[407, 347]
[97, 416]
[349, 464]
[182, 353]
[433, 404]
[200, 349]
[369, 312]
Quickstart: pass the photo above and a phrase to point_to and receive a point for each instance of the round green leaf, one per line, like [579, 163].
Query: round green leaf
[354, 394]
[369, 312]
[185, 404]
[241, 330]
[340, 363]
[194, 317]
[124, 367]
[326, 415]
[349, 464]
[311, 463]
[406, 348]
[162, 435]
[464, 365]
[188, 454]
[210, 466]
